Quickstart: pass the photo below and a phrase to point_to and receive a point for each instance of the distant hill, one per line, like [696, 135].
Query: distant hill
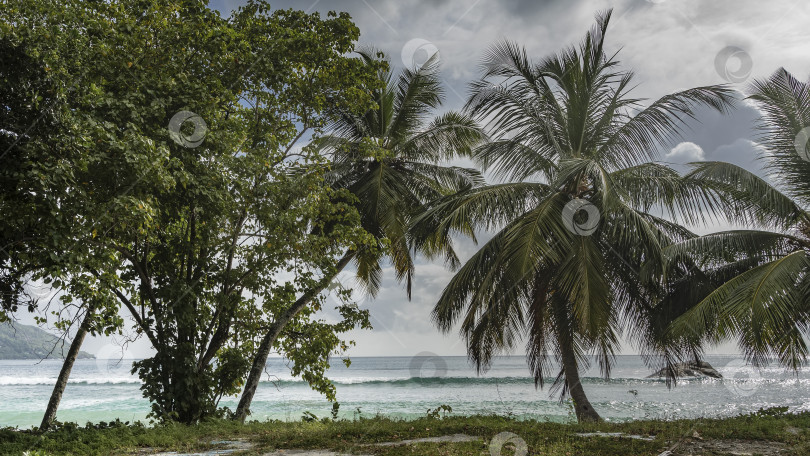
[29, 342]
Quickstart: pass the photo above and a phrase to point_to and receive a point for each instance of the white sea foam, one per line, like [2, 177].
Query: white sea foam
[10, 381]
[386, 386]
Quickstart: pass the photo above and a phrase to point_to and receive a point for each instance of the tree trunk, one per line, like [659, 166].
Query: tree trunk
[64, 373]
[269, 339]
[582, 406]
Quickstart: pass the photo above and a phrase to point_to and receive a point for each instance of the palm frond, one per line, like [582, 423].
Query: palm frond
[746, 197]
[659, 125]
[785, 104]
[763, 306]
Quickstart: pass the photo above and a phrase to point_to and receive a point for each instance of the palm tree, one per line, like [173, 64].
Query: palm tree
[390, 160]
[393, 160]
[575, 214]
[764, 299]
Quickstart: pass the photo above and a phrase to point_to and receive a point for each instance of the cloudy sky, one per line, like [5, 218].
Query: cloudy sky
[670, 44]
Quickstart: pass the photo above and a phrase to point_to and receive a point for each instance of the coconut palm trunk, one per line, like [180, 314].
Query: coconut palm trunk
[272, 335]
[570, 368]
[64, 373]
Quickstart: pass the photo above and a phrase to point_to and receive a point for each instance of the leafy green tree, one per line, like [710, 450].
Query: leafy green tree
[174, 180]
[33, 105]
[764, 288]
[28, 104]
[577, 216]
[390, 160]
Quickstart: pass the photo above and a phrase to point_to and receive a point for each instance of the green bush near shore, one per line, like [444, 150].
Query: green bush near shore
[348, 436]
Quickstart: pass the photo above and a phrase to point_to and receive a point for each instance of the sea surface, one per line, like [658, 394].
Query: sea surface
[407, 387]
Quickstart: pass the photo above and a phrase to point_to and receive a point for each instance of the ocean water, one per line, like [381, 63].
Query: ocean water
[102, 390]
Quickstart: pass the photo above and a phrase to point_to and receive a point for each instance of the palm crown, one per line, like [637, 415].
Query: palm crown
[576, 213]
[391, 159]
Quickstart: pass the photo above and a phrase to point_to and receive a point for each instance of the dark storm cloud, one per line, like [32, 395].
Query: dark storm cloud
[713, 129]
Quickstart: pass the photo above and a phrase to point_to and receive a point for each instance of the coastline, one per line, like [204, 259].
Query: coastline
[99, 391]
[767, 432]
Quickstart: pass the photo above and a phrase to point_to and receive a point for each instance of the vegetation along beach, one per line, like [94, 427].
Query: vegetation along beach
[342, 228]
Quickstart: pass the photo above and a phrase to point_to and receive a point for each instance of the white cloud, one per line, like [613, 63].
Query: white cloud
[685, 152]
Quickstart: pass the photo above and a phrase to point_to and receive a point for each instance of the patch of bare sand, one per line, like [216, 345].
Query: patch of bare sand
[727, 447]
[455, 438]
[307, 453]
[224, 447]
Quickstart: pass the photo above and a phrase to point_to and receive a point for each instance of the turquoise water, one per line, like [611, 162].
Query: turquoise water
[102, 390]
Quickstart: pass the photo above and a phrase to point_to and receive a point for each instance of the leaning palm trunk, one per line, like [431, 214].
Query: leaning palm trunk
[64, 373]
[272, 335]
[582, 406]
[570, 369]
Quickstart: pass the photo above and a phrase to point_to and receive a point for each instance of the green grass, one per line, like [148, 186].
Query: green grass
[542, 438]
